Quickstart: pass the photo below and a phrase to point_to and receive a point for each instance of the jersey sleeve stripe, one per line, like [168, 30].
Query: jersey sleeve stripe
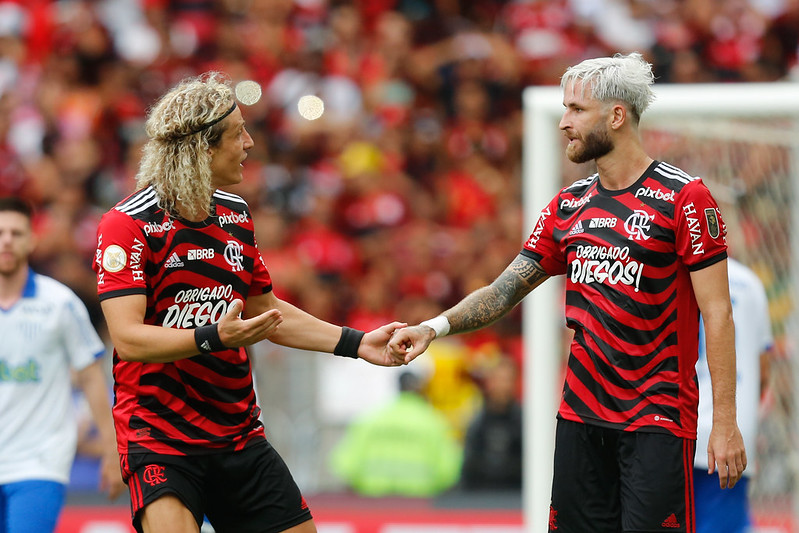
[582, 183]
[229, 196]
[707, 262]
[668, 171]
[138, 202]
[122, 292]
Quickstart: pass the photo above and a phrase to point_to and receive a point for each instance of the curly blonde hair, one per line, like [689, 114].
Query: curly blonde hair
[181, 127]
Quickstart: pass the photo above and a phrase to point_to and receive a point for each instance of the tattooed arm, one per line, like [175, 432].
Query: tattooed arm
[477, 310]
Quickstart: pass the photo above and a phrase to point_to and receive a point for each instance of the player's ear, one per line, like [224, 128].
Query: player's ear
[618, 116]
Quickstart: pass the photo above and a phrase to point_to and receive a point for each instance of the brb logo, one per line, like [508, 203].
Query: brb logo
[154, 475]
[200, 253]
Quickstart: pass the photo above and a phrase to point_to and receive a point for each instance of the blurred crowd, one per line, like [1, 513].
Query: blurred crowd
[405, 195]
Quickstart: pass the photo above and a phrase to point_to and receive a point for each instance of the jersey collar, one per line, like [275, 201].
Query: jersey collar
[29, 291]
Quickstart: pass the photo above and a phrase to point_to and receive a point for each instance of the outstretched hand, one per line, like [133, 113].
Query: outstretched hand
[235, 331]
[374, 345]
[409, 342]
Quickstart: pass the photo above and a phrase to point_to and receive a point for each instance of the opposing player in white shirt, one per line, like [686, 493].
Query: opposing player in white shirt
[45, 332]
[728, 510]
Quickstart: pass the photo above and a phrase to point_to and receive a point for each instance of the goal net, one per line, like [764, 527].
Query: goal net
[743, 140]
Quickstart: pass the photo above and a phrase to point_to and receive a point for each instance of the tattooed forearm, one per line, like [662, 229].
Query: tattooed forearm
[490, 303]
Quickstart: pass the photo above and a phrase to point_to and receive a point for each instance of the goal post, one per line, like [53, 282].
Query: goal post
[711, 131]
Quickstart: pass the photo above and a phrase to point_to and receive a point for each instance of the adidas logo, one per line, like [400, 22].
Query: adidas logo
[173, 261]
[206, 346]
[670, 522]
[577, 228]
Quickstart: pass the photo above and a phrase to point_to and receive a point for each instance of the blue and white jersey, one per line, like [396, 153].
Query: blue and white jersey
[752, 337]
[43, 335]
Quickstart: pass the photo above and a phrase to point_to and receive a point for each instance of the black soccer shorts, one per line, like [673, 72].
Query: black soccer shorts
[614, 481]
[248, 491]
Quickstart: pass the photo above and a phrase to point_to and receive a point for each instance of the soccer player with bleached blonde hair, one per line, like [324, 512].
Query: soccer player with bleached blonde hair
[643, 247]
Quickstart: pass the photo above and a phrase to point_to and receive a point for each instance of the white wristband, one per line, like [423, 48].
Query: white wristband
[439, 324]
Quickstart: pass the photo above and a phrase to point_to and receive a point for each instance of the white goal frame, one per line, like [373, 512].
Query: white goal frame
[542, 320]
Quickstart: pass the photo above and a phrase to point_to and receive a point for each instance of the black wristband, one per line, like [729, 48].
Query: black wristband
[348, 342]
[207, 339]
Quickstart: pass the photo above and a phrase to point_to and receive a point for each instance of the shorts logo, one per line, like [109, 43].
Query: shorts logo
[154, 475]
[671, 522]
[553, 518]
[114, 258]
[712, 222]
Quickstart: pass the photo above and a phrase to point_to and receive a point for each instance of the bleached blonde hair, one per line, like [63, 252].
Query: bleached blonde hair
[181, 127]
[621, 78]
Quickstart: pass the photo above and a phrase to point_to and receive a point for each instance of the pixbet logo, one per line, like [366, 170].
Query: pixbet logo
[233, 218]
[152, 227]
[657, 194]
[574, 203]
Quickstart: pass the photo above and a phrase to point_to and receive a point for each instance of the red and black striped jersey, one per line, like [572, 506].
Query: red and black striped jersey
[190, 273]
[627, 256]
